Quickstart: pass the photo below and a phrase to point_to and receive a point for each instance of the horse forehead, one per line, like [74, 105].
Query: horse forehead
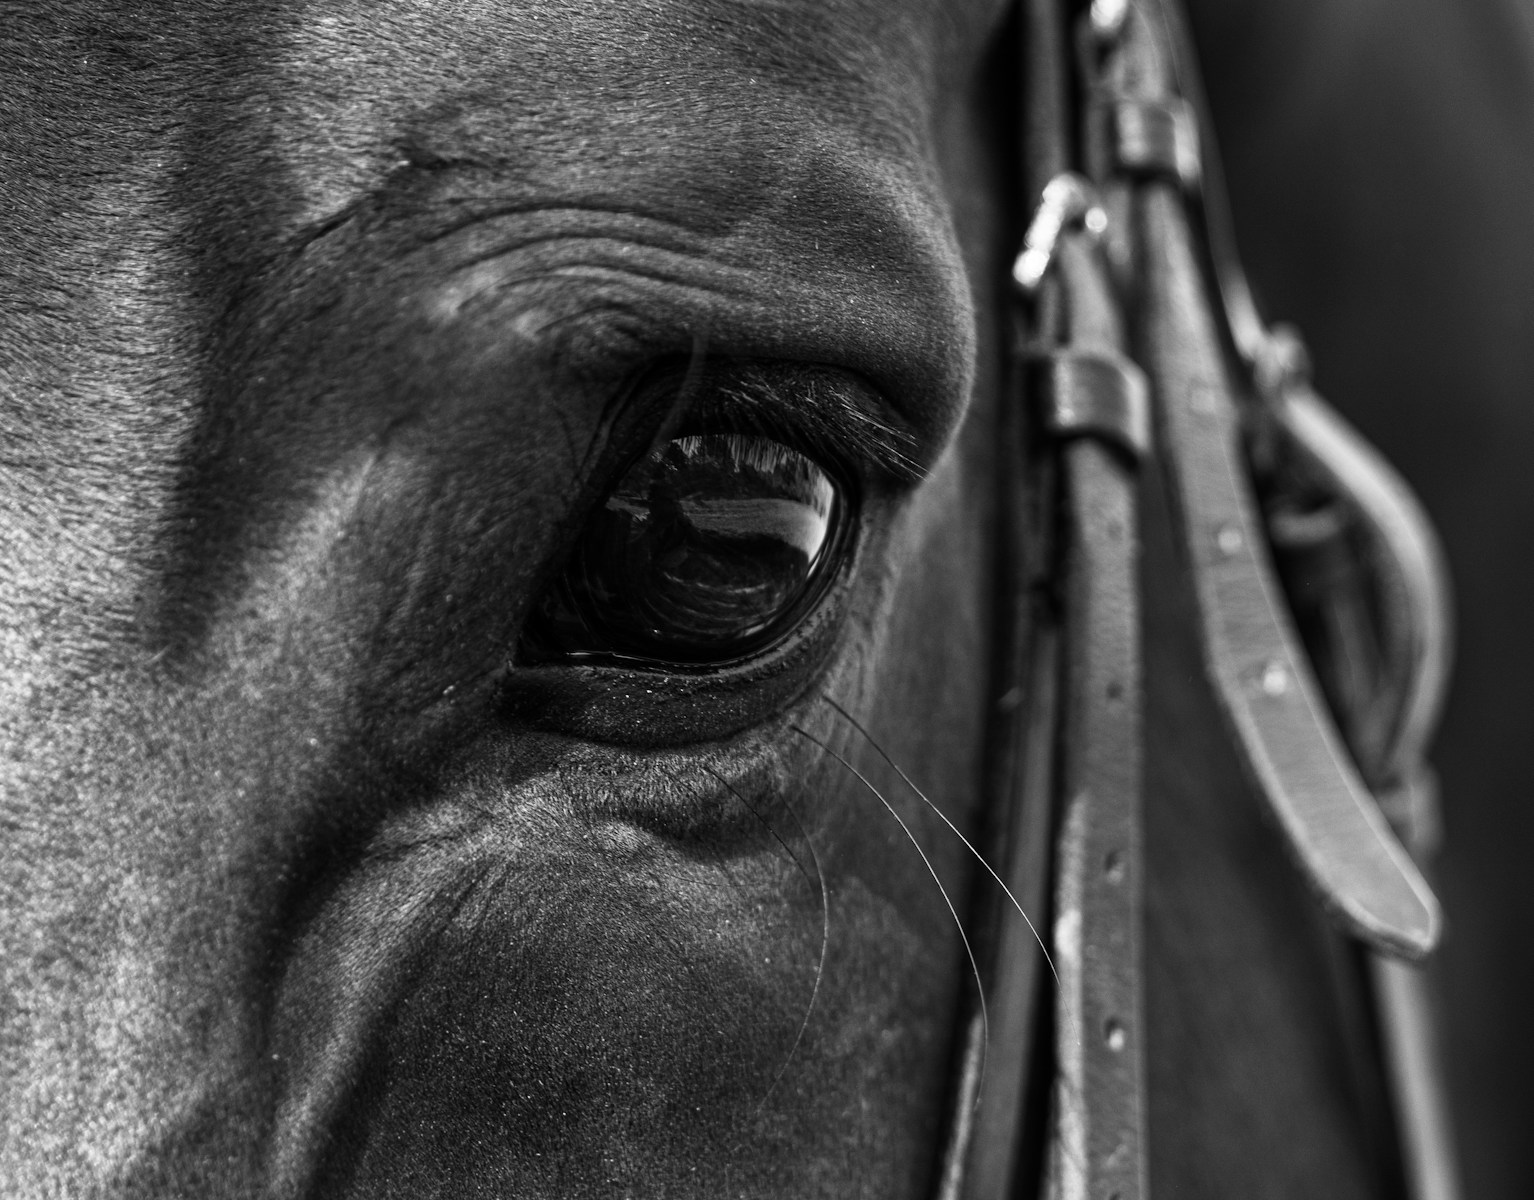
[570, 92]
[801, 39]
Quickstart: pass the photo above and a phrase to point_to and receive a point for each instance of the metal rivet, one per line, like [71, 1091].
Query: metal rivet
[1229, 540]
[1114, 1035]
[1274, 679]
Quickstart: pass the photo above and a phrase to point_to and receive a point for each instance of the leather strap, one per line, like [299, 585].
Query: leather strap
[1254, 657]
[1096, 404]
[1361, 558]
[997, 1116]
[1224, 387]
[1155, 137]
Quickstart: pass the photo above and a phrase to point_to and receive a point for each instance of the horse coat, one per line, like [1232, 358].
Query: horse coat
[325, 330]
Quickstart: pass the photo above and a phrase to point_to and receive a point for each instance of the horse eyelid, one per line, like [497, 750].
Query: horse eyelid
[825, 413]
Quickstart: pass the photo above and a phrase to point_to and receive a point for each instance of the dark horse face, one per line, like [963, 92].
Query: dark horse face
[408, 787]
[329, 330]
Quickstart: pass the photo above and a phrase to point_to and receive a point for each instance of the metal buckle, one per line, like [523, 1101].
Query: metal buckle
[1068, 202]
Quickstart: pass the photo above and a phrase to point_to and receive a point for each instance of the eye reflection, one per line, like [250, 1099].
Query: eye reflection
[704, 551]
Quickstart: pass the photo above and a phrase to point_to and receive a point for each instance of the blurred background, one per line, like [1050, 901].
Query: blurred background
[1381, 162]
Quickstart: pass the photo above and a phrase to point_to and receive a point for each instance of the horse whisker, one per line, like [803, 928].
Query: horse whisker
[825, 918]
[765, 824]
[825, 942]
[979, 858]
[985, 1020]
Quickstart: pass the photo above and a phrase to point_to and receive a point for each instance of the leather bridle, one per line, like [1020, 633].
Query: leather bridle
[1321, 608]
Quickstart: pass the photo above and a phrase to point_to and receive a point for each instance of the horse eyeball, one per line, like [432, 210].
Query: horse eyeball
[707, 550]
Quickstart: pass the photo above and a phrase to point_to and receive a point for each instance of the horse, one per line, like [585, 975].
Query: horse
[504, 579]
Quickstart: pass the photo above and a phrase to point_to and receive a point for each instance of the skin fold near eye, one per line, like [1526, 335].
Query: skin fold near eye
[706, 550]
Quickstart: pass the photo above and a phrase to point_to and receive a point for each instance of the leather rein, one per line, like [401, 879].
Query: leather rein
[1321, 609]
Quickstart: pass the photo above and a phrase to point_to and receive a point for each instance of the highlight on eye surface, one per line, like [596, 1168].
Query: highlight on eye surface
[706, 550]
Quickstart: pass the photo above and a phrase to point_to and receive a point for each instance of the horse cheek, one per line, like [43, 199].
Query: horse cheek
[565, 1015]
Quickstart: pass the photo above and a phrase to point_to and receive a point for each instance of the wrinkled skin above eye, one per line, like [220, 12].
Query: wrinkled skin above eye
[705, 550]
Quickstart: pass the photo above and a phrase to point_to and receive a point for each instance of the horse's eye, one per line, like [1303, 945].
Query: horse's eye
[707, 550]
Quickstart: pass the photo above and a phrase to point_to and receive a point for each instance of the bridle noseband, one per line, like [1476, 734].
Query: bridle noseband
[1321, 610]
